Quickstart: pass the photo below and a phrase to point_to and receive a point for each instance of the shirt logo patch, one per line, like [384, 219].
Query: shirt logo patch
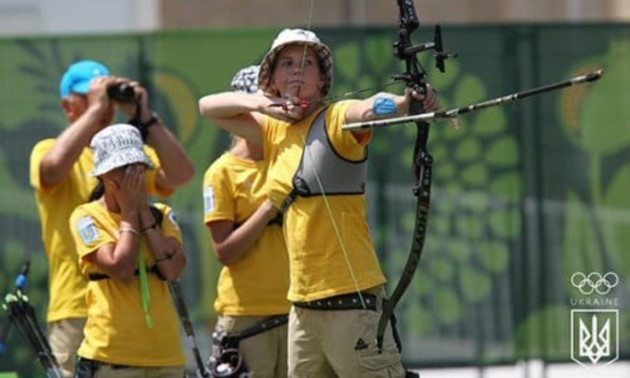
[173, 219]
[208, 200]
[87, 229]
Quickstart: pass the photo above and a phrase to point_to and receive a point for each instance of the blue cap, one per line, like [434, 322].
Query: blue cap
[78, 76]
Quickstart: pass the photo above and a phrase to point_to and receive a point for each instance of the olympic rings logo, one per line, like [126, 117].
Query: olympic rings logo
[594, 282]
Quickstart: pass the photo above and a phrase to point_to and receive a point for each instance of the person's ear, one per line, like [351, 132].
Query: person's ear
[107, 179]
[321, 84]
[66, 104]
[72, 106]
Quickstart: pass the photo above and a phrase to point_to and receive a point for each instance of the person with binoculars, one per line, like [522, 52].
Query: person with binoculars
[60, 175]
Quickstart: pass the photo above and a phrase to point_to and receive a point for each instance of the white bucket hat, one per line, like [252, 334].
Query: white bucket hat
[116, 146]
[301, 36]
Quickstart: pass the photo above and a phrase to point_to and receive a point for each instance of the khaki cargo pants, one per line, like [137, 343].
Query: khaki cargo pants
[65, 337]
[265, 354]
[340, 343]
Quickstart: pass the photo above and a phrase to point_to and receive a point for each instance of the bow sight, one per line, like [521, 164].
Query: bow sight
[405, 50]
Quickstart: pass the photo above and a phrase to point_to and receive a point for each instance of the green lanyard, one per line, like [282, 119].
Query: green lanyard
[145, 293]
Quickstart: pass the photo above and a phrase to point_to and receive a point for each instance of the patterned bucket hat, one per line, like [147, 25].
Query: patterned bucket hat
[116, 146]
[300, 36]
[245, 80]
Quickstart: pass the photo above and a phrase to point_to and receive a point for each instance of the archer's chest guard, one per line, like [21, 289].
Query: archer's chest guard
[322, 170]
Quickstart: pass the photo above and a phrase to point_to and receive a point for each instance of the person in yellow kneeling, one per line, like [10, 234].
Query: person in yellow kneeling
[127, 249]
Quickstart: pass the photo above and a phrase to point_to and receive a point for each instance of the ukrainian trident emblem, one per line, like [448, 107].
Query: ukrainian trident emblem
[594, 337]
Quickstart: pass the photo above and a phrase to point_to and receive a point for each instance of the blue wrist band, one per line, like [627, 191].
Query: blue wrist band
[384, 106]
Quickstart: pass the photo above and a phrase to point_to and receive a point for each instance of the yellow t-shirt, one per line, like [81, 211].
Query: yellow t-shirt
[233, 189]
[115, 331]
[55, 204]
[318, 267]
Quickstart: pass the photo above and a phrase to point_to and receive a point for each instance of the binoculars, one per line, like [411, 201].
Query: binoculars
[122, 92]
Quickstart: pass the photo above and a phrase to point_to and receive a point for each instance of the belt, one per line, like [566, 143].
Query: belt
[351, 301]
[102, 276]
[232, 339]
[87, 367]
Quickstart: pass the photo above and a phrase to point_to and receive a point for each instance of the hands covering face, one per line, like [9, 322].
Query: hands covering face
[130, 187]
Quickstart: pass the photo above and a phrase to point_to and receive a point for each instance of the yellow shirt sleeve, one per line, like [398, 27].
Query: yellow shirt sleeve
[37, 154]
[151, 175]
[349, 145]
[88, 233]
[170, 227]
[218, 194]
